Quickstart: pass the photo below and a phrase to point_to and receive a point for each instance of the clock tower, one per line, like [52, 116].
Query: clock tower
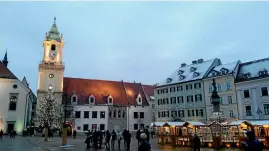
[51, 68]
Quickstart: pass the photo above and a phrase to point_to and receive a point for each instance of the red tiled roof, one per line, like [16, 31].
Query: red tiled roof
[133, 90]
[5, 72]
[122, 92]
[149, 90]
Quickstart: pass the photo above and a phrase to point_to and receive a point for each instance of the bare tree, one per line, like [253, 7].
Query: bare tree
[48, 114]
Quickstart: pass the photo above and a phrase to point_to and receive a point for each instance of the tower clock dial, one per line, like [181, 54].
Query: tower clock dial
[52, 54]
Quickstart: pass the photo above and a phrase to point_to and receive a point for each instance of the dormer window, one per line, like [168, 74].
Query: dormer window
[181, 77]
[224, 70]
[179, 72]
[110, 100]
[263, 73]
[74, 99]
[214, 73]
[246, 75]
[195, 74]
[192, 69]
[139, 99]
[169, 80]
[91, 99]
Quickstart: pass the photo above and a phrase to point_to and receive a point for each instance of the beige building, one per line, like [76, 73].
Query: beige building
[224, 76]
[51, 68]
[181, 95]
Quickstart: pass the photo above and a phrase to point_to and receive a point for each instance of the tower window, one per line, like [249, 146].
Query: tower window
[53, 47]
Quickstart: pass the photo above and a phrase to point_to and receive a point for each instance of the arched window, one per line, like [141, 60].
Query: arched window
[13, 103]
[119, 113]
[123, 114]
[53, 47]
[114, 114]
[110, 114]
[228, 86]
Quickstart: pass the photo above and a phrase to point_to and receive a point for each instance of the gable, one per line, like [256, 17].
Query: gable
[5, 72]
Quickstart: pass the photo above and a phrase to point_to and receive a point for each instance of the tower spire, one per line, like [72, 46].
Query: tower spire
[5, 61]
[53, 34]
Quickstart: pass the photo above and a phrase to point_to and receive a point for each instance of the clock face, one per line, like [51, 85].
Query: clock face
[52, 54]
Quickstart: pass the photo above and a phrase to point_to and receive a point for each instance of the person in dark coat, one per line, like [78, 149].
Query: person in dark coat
[252, 143]
[100, 138]
[144, 144]
[124, 134]
[128, 138]
[1, 134]
[138, 133]
[147, 133]
[113, 138]
[108, 136]
[74, 134]
[196, 143]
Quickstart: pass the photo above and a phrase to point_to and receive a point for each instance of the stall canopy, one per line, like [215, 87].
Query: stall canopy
[259, 123]
[157, 124]
[238, 122]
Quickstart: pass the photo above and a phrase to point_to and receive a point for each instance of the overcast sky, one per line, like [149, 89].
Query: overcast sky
[141, 41]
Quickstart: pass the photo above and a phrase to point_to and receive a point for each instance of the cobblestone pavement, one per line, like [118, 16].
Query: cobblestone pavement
[38, 144]
[54, 145]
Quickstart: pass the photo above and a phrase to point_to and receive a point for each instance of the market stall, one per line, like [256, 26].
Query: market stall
[261, 129]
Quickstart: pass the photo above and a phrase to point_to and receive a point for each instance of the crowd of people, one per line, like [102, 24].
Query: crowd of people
[95, 139]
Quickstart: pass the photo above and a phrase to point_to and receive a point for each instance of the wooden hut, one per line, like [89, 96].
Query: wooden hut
[261, 129]
[158, 127]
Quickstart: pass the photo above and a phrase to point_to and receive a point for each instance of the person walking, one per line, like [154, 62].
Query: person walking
[74, 134]
[138, 133]
[108, 136]
[196, 143]
[119, 138]
[128, 138]
[124, 134]
[113, 138]
[144, 144]
[146, 131]
[1, 134]
[252, 143]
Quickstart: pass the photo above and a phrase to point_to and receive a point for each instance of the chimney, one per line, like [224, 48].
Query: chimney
[183, 64]
[194, 62]
[200, 60]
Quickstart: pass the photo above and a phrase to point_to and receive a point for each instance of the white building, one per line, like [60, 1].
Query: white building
[224, 76]
[100, 104]
[16, 100]
[181, 95]
[252, 85]
[96, 103]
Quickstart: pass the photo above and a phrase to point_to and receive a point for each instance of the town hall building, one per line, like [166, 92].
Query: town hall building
[93, 104]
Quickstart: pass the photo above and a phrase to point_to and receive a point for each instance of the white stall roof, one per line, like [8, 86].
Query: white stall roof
[259, 122]
[175, 123]
[195, 123]
[157, 123]
[238, 122]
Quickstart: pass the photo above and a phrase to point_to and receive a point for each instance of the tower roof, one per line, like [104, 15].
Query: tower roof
[5, 57]
[53, 33]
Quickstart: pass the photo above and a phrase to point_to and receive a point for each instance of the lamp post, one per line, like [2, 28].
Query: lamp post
[64, 134]
[216, 110]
